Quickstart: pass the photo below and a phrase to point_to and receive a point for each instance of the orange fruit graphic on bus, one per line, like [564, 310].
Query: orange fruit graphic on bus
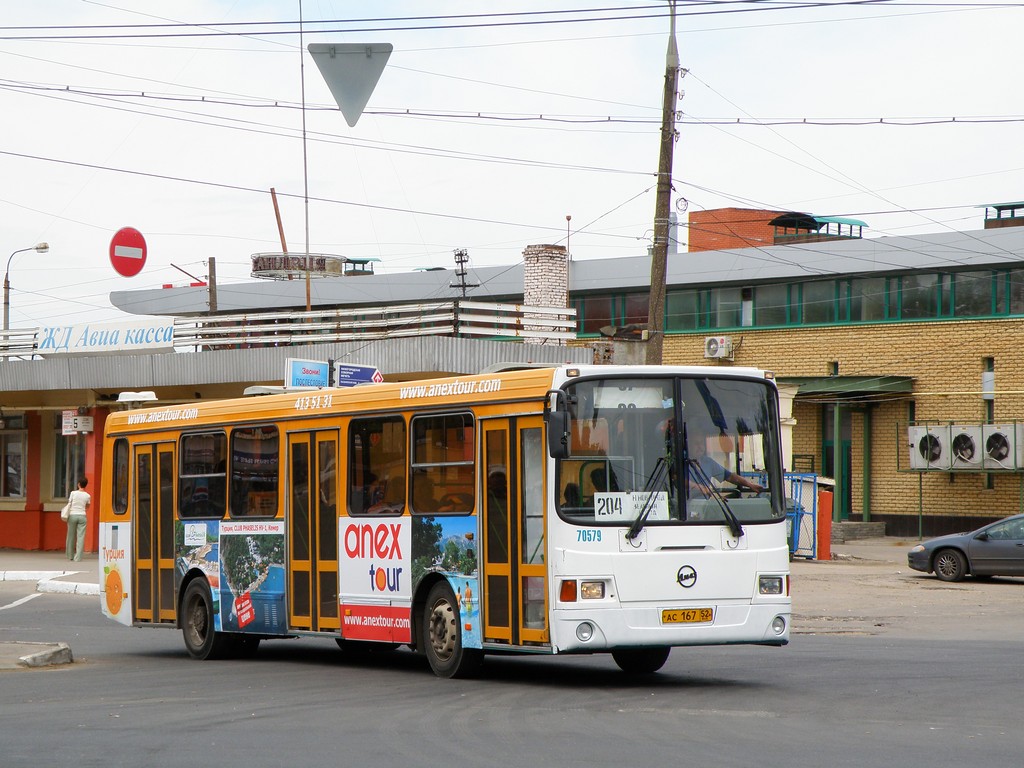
[114, 588]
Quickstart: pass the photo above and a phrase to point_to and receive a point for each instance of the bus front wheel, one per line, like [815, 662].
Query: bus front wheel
[641, 661]
[442, 638]
[197, 624]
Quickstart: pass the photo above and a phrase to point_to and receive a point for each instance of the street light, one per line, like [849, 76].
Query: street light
[39, 248]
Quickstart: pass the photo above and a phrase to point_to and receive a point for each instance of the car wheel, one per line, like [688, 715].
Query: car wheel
[950, 565]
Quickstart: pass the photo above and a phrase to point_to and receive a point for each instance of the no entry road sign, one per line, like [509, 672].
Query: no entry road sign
[128, 251]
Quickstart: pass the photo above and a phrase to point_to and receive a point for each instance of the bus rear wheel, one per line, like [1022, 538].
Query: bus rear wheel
[442, 638]
[641, 661]
[201, 640]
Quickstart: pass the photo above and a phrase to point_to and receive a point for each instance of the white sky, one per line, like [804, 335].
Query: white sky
[194, 177]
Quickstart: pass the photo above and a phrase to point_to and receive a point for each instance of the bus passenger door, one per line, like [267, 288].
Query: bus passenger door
[154, 533]
[514, 511]
[313, 530]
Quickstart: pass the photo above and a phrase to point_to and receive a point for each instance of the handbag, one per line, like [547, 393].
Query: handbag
[66, 512]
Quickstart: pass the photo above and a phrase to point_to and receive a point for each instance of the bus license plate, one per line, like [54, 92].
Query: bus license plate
[687, 615]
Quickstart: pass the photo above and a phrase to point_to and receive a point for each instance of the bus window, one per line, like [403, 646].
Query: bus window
[120, 488]
[201, 481]
[443, 466]
[255, 469]
[377, 460]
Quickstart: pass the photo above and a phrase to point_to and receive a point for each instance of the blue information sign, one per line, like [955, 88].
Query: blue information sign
[306, 373]
[351, 375]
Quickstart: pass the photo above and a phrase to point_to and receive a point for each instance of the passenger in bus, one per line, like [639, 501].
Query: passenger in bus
[599, 478]
[391, 497]
[697, 442]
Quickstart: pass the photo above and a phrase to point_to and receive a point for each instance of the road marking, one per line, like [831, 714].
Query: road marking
[16, 603]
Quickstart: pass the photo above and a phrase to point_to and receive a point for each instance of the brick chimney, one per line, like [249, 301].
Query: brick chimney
[545, 281]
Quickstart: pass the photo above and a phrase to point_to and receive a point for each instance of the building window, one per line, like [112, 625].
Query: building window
[637, 308]
[919, 296]
[201, 482]
[596, 312]
[682, 311]
[68, 459]
[771, 305]
[818, 301]
[868, 299]
[1015, 291]
[726, 307]
[12, 453]
[972, 294]
[255, 471]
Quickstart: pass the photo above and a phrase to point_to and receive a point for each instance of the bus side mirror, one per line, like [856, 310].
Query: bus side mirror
[556, 416]
[558, 434]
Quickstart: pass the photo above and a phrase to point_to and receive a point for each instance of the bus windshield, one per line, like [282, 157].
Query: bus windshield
[672, 451]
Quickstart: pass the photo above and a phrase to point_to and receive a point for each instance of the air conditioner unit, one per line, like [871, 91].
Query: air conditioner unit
[1002, 446]
[718, 347]
[929, 447]
[966, 446]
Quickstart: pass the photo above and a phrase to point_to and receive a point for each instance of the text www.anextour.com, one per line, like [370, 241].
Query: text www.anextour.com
[450, 388]
[173, 414]
[384, 622]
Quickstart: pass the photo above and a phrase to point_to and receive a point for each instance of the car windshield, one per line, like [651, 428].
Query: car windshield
[671, 450]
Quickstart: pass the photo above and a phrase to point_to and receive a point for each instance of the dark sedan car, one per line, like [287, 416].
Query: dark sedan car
[996, 549]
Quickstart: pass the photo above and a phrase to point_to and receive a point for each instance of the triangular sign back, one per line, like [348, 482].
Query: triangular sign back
[351, 71]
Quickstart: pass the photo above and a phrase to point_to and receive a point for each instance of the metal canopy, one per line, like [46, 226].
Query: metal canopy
[850, 385]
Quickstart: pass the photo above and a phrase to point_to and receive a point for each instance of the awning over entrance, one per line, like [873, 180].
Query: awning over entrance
[849, 385]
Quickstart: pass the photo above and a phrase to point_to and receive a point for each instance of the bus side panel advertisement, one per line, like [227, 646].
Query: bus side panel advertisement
[446, 545]
[376, 588]
[252, 579]
[199, 549]
[115, 571]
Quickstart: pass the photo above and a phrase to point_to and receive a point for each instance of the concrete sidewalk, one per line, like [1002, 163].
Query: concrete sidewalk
[52, 571]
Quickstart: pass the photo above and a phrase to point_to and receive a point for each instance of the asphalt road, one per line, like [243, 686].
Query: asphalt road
[886, 667]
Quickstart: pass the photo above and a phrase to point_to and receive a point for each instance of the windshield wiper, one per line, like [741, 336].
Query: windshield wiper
[702, 477]
[654, 481]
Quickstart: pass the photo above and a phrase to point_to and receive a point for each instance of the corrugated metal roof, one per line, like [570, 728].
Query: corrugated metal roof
[746, 266]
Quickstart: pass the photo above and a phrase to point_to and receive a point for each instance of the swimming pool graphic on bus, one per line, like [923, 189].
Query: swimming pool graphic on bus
[446, 545]
[252, 577]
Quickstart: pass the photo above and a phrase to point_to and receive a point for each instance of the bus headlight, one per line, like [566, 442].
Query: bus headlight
[592, 590]
[778, 625]
[769, 585]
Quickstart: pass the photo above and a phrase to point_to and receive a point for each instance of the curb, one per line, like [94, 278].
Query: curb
[57, 653]
[67, 588]
[45, 582]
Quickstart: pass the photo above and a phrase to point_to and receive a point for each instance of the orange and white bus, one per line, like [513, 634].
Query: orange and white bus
[593, 509]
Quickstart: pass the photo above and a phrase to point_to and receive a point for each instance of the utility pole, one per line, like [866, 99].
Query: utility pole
[212, 284]
[663, 200]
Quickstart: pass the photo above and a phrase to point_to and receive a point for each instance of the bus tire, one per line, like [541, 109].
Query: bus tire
[442, 638]
[201, 640]
[641, 661]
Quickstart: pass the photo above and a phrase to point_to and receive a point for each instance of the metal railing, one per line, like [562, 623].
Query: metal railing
[283, 328]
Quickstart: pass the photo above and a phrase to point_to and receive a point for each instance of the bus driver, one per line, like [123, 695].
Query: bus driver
[709, 469]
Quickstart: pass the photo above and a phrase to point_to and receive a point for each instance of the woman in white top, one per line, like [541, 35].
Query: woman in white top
[79, 502]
